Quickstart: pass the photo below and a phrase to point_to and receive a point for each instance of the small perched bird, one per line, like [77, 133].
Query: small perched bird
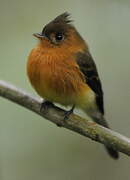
[61, 69]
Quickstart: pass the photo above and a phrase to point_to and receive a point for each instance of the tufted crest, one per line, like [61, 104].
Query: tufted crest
[64, 18]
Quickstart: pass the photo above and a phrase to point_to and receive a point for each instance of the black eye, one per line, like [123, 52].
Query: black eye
[59, 36]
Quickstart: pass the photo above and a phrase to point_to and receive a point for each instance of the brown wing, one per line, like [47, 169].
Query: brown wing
[88, 68]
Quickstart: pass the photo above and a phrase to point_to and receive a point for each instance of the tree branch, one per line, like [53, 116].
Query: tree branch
[75, 123]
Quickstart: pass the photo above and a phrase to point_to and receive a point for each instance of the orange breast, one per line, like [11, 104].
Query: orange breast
[55, 77]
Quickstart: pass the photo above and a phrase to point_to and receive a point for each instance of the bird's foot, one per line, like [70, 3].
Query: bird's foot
[45, 105]
[68, 113]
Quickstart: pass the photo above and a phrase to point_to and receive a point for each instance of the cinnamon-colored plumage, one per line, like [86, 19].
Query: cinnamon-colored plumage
[55, 75]
[61, 70]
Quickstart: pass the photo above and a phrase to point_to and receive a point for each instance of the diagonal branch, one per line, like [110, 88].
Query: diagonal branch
[75, 123]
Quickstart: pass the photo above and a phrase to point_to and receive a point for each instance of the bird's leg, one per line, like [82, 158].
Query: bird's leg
[67, 113]
[45, 105]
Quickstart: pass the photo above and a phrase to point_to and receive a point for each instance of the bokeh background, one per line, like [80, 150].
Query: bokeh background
[32, 148]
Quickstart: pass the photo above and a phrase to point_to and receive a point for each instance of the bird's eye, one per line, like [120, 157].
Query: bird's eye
[59, 36]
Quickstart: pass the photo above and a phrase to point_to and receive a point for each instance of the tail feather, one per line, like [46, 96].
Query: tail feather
[101, 120]
[113, 153]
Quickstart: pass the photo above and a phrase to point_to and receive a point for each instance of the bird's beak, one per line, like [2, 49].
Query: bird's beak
[39, 35]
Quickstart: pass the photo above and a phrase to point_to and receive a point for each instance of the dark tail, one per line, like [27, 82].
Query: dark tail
[113, 153]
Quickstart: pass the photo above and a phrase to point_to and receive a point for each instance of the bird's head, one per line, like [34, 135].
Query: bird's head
[60, 33]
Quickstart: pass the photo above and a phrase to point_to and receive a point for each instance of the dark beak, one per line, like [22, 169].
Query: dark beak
[39, 35]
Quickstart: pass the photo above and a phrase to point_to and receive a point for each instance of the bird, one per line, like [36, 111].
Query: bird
[61, 69]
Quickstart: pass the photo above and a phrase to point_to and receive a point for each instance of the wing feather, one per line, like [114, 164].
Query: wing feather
[88, 68]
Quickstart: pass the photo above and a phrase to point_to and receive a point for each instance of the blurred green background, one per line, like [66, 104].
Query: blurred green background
[32, 148]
